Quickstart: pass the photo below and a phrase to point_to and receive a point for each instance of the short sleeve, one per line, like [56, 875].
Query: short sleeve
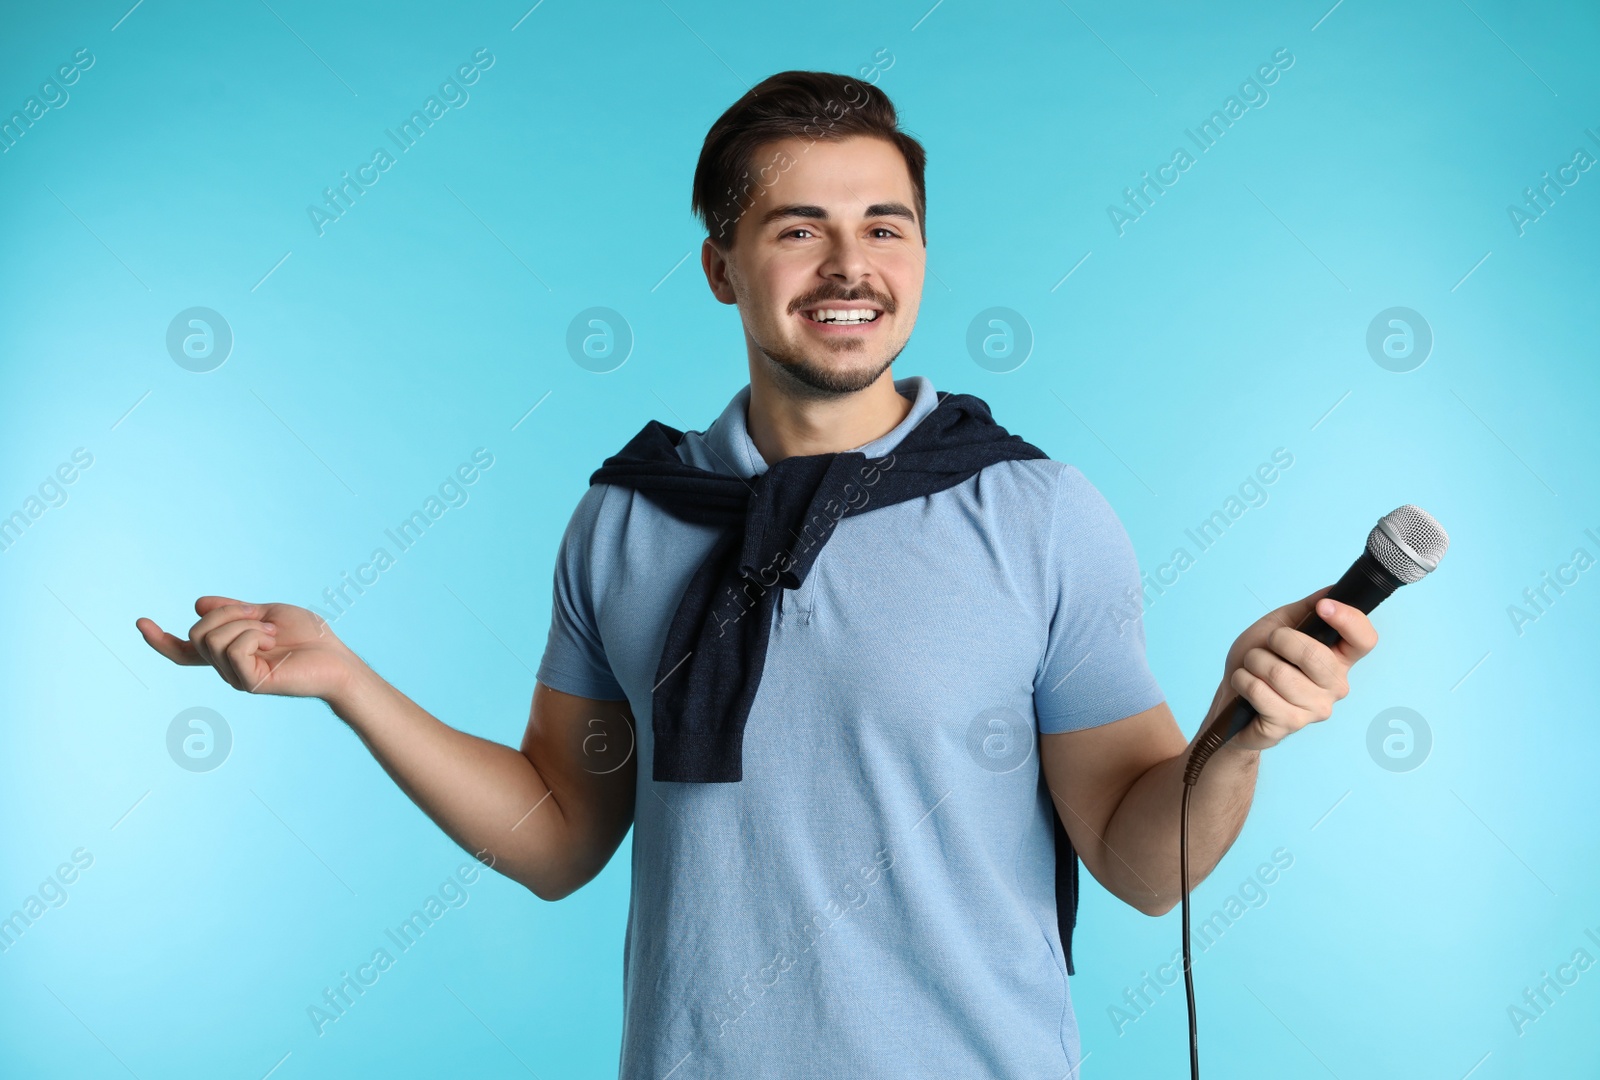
[1094, 669]
[574, 656]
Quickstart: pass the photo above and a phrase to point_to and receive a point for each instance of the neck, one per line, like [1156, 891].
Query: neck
[784, 426]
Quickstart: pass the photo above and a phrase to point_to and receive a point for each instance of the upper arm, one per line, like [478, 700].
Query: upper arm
[581, 734]
[1093, 669]
[1102, 717]
[1089, 771]
[584, 751]
[574, 656]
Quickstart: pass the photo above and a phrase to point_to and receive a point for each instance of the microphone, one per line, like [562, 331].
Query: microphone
[1404, 547]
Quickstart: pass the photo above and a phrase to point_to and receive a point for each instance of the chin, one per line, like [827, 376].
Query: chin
[832, 373]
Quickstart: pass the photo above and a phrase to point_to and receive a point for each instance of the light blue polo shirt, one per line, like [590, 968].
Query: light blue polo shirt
[876, 898]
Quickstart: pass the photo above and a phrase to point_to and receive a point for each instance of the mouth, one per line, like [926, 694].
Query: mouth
[840, 316]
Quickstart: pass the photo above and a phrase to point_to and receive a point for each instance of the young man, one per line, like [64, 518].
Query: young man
[845, 615]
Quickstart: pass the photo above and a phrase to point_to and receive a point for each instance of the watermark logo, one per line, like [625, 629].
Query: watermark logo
[608, 743]
[199, 339]
[1139, 998]
[751, 988]
[1399, 739]
[735, 203]
[451, 494]
[999, 339]
[1542, 995]
[853, 497]
[51, 493]
[51, 893]
[1552, 585]
[1539, 201]
[339, 199]
[1139, 199]
[341, 997]
[53, 94]
[871, 73]
[199, 739]
[1399, 339]
[1000, 739]
[599, 339]
[1154, 583]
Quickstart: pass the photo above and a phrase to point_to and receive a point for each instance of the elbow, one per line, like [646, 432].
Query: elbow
[551, 891]
[558, 885]
[537, 880]
[1155, 906]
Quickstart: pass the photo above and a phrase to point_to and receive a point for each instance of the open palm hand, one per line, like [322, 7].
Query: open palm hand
[259, 648]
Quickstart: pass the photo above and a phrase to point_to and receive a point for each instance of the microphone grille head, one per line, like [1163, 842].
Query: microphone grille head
[1408, 542]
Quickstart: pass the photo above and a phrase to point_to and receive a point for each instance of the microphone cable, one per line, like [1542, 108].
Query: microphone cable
[1405, 545]
[1188, 976]
[1208, 744]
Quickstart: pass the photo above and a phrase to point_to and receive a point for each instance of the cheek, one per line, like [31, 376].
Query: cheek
[760, 308]
[907, 289]
[904, 274]
[777, 288]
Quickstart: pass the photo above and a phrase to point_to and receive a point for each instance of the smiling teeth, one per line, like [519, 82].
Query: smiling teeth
[846, 316]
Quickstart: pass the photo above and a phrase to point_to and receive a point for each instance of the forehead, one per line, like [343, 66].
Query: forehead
[842, 176]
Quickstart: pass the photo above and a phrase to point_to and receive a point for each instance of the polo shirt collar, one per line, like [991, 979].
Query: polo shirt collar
[726, 446]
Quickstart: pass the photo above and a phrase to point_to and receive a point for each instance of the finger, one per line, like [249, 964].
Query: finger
[1357, 635]
[1268, 703]
[174, 648]
[1320, 663]
[217, 615]
[1287, 681]
[206, 604]
[244, 655]
[217, 643]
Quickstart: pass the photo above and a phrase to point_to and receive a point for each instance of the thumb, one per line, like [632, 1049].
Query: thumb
[210, 603]
[1294, 614]
[174, 648]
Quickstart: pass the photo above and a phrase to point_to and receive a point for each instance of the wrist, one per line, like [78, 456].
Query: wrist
[1237, 752]
[1247, 742]
[356, 686]
[1241, 749]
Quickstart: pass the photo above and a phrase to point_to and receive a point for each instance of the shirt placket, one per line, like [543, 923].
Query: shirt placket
[795, 605]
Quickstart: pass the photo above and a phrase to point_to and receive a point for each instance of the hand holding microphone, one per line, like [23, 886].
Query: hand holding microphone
[1287, 678]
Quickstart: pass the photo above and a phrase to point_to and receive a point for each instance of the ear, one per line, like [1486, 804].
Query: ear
[715, 264]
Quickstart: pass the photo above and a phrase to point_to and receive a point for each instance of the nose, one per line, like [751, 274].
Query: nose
[845, 262]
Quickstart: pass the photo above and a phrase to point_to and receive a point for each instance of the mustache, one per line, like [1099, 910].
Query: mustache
[840, 296]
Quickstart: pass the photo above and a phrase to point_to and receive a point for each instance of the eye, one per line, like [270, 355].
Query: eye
[791, 232]
[885, 229]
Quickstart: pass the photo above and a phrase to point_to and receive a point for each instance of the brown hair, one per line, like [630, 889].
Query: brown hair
[810, 105]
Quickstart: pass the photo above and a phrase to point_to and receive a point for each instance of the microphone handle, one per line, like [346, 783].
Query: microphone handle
[1364, 586]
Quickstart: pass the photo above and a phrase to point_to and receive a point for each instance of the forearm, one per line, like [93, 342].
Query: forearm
[1142, 836]
[1132, 811]
[486, 796]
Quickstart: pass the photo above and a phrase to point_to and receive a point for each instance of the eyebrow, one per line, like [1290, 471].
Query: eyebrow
[888, 209]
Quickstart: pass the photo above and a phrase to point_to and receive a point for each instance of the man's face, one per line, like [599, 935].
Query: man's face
[832, 230]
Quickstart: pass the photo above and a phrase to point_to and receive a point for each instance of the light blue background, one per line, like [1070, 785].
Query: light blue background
[432, 317]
